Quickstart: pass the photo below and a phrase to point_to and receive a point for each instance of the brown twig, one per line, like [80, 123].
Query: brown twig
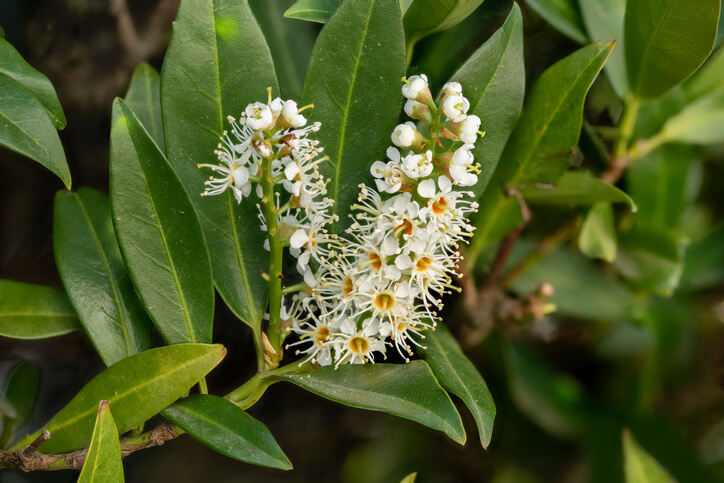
[29, 459]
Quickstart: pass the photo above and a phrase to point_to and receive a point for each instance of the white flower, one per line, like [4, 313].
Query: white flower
[357, 346]
[390, 176]
[405, 135]
[469, 129]
[291, 115]
[455, 107]
[259, 116]
[415, 88]
[417, 165]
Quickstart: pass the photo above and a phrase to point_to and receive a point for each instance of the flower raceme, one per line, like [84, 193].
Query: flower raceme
[380, 284]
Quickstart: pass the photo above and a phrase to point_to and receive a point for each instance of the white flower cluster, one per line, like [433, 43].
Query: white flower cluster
[383, 285]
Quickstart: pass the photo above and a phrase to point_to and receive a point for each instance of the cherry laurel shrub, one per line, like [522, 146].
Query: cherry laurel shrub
[336, 231]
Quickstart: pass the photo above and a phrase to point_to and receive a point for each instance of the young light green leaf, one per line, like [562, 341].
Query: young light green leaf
[136, 388]
[542, 143]
[555, 401]
[217, 63]
[459, 376]
[597, 238]
[144, 97]
[564, 15]
[666, 41]
[425, 17]
[14, 66]
[406, 390]
[707, 79]
[313, 10]
[409, 478]
[20, 392]
[103, 463]
[581, 288]
[290, 43]
[159, 234]
[95, 277]
[701, 122]
[355, 71]
[604, 21]
[577, 188]
[494, 82]
[651, 259]
[28, 129]
[228, 429]
[34, 311]
[639, 465]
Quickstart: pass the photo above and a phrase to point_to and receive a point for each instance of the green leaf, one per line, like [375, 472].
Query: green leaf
[658, 182]
[494, 82]
[144, 97]
[137, 388]
[353, 79]
[459, 376]
[159, 234]
[28, 129]
[103, 463]
[95, 277]
[666, 41]
[704, 265]
[409, 391]
[597, 238]
[290, 43]
[228, 429]
[425, 17]
[564, 15]
[604, 21]
[707, 79]
[543, 141]
[581, 288]
[701, 122]
[652, 259]
[555, 401]
[14, 66]
[20, 393]
[313, 10]
[217, 63]
[409, 478]
[652, 115]
[577, 188]
[34, 311]
[639, 465]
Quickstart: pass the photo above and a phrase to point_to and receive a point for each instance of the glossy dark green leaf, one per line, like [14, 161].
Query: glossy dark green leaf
[313, 10]
[26, 128]
[406, 390]
[554, 400]
[657, 183]
[597, 238]
[671, 450]
[136, 388]
[34, 311]
[701, 122]
[652, 259]
[355, 71]
[666, 41]
[228, 429]
[217, 63]
[459, 376]
[95, 277]
[704, 263]
[581, 288]
[144, 97]
[639, 465]
[543, 141]
[159, 234]
[103, 463]
[577, 188]
[493, 79]
[564, 15]
[707, 79]
[604, 21]
[425, 17]
[14, 66]
[290, 43]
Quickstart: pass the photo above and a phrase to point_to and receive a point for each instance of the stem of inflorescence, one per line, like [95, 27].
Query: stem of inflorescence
[269, 209]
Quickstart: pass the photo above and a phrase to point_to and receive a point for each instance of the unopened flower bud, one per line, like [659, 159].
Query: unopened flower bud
[416, 89]
[259, 116]
[455, 107]
[450, 89]
[418, 111]
[405, 135]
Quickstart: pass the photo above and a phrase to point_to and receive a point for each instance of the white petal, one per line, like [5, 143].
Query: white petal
[299, 238]
[444, 183]
[427, 188]
[291, 171]
[377, 169]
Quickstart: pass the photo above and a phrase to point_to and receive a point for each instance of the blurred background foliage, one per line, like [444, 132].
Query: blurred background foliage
[633, 344]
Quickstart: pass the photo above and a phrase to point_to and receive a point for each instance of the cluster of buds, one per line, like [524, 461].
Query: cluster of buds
[382, 285]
